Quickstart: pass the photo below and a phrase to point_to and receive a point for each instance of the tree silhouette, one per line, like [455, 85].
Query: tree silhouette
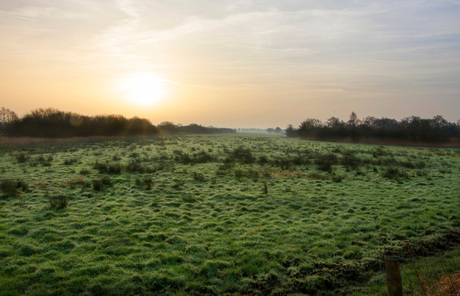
[413, 128]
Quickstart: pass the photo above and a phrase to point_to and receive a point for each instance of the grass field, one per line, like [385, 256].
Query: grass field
[216, 215]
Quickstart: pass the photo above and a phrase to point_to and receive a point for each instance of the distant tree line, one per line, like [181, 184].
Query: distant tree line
[413, 128]
[171, 128]
[52, 123]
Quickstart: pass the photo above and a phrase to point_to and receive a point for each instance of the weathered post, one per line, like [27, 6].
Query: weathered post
[394, 284]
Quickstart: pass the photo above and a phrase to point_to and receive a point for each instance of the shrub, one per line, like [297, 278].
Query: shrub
[80, 181]
[58, 202]
[70, 161]
[107, 181]
[147, 182]
[317, 176]
[189, 198]
[114, 169]
[84, 172]
[178, 184]
[350, 160]
[239, 174]
[45, 161]
[97, 185]
[338, 178]
[324, 162]
[243, 155]
[11, 188]
[393, 173]
[199, 177]
[108, 168]
[21, 158]
[135, 166]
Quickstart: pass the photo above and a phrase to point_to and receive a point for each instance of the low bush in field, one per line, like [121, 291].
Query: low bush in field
[79, 181]
[394, 173]
[199, 177]
[22, 157]
[108, 168]
[145, 182]
[11, 188]
[241, 155]
[44, 161]
[70, 161]
[102, 183]
[135, 166]
[350, 160]
[57, 202]
[251, 174]
[324, 162]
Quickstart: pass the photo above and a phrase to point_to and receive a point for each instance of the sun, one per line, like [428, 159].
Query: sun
[142, 89]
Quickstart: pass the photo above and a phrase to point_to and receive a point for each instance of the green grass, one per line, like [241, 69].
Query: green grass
[229, 214]
[419, 277]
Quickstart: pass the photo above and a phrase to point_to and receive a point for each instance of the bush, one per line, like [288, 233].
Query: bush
[199, 177]
[70, 161]
[11, 188]
[349, 160]
[80, 181]
[45, 161]
[21, 158]
[136, 166]
[338, 178]
[146, 182]
[189, 198]
[393, 173]
[324, 162]
[58, 202]
[108, 168]
[107, 181]
[99, 184]
[84, 172]
[243, 155]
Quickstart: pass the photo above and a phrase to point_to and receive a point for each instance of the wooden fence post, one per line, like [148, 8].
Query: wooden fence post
[394, 284]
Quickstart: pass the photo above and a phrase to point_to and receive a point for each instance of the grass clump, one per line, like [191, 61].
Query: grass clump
[108, 168]
[145, 182]
[22, 157]
[57, 202]
[394, 173]
[102, 183]
[325, 162]
[12, 188]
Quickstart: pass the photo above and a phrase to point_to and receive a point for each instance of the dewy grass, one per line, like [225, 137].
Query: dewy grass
[219, 215]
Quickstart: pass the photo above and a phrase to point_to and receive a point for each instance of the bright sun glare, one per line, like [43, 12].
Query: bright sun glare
[143, 89]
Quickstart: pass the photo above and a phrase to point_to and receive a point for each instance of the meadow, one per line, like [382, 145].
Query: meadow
[216, 214]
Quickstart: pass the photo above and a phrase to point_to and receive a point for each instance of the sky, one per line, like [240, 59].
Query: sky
[232, 63]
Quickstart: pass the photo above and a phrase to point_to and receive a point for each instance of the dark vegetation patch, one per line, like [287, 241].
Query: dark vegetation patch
[12, 187]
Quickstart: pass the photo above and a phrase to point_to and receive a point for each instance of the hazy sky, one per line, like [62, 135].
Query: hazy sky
[236, 63]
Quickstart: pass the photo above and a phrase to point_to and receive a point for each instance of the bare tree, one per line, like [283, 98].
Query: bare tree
[7, 116]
